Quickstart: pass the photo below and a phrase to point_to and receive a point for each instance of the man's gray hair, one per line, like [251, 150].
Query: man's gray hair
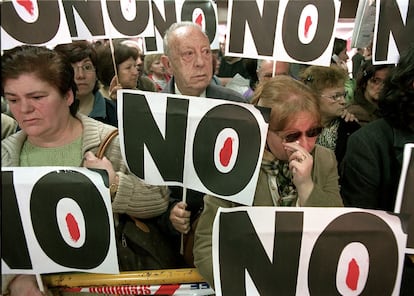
[171, 29]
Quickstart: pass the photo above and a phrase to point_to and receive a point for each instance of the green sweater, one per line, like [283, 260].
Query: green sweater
[66, 155]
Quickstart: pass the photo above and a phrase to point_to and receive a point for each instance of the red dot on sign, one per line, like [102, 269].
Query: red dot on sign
[72, 227]
[352, 275]
[226, 152]
[27, 4]
[308, 23]
[199, 20]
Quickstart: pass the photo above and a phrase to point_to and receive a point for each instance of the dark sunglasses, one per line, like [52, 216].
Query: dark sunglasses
[294, 136]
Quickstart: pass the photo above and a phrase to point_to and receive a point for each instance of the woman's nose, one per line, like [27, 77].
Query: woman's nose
[306, 142]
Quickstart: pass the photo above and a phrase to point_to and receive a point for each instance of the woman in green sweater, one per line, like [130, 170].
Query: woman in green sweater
[39, 86]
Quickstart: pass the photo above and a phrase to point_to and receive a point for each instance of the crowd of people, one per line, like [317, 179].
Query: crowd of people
[323, 148]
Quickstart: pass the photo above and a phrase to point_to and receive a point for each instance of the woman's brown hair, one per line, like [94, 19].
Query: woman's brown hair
[286, 97]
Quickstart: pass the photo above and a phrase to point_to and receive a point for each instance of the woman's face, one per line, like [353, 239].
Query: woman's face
[332, 102]
[39, 108]
[128, 73]
[85, 77]
[157, 68]
[375, 84]
[343, 56]
[301, 124]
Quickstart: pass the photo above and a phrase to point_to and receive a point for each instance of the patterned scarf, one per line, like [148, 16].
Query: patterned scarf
[329, 135]
[280, 170]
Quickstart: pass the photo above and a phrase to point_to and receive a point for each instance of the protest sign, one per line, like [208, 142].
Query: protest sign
[388, 25]
[307, 251]
[59, 219]
[394, 25]
[55, 21]
[209, 145]
[291, 31]
[404, 203]
[363, 33]
[165, 13]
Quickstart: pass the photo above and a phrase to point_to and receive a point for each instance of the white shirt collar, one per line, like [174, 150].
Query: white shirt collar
[177, 91]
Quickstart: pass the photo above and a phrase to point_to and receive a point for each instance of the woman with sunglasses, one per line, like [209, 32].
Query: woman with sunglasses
[295, 171]
[370, 81]
[328, 84]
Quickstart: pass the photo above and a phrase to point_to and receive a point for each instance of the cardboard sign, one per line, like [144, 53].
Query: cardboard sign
[57, 21]
[165, 13]
[59, 219]
[307, 251]
[388, 24]
[393, 33]
[404, 203]
[363, 33]
[302, 31]
[209, 145]
[290, 31]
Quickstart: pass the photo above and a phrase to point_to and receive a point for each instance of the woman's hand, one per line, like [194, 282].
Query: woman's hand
[93, 162]
[25, 285]
[348, 116]
[300, 164]
[180, 217]
[114, 86]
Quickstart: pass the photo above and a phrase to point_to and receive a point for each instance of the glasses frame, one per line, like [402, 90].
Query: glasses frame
[291, 137]
[337, 96]
[84, 67]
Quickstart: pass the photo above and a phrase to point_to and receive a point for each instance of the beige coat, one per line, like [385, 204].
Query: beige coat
[325, 194]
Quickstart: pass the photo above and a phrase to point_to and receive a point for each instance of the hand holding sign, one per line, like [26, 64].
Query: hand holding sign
[92, 162]
[180, 217]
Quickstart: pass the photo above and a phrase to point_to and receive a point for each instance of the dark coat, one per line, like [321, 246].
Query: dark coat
[345, 129]
[213, 91]
[372, 165]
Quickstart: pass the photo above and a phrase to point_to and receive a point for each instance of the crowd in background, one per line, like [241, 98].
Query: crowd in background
[335, 135]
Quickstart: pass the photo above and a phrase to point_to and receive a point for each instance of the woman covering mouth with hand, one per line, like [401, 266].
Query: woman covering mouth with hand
[295, 171]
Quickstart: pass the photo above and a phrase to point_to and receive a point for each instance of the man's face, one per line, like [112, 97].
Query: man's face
[266, 69]
[190, 60]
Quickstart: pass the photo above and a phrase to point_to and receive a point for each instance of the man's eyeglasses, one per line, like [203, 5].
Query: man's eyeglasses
[88, 67]
[294, 136]
[377, 81]
[337, 96]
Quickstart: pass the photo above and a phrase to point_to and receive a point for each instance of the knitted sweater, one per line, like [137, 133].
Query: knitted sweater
[133, 196]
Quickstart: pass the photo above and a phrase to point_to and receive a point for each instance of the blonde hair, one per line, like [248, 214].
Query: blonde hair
[286, 97]
[148, 60]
